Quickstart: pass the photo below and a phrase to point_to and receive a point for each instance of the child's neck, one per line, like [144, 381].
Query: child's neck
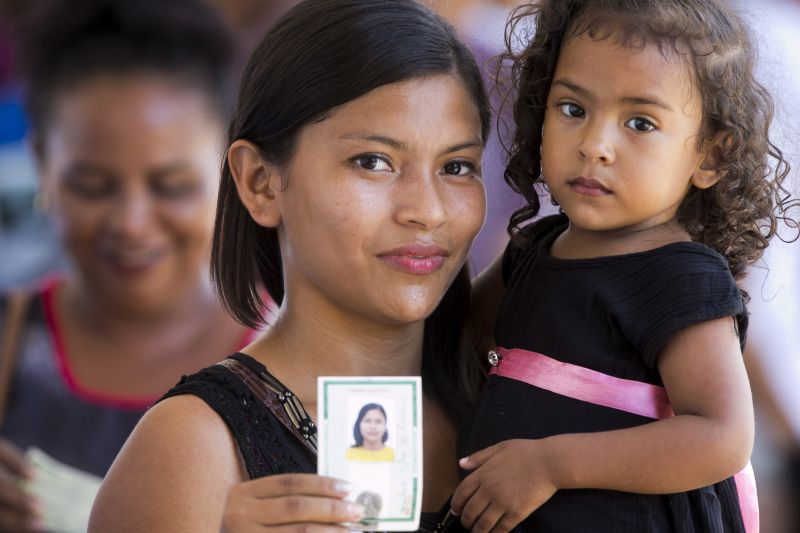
[578, 243]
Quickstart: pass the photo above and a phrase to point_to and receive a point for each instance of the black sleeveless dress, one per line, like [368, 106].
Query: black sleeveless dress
[271, 432]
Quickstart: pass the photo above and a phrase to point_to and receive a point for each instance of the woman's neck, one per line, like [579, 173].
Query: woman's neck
[300, 346]
[113, 317]
[374, 446]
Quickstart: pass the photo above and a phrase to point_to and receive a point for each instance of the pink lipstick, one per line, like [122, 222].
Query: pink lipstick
[419, 259]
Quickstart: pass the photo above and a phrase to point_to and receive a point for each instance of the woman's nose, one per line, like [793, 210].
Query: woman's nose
[133, 214]
[420, 201]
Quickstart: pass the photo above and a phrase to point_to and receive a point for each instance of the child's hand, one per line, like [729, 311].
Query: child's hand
[510, 480]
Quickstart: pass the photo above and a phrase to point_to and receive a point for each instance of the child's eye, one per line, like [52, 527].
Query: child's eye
[571, 110]
[458, 168]
[372, 162]
[640, 124]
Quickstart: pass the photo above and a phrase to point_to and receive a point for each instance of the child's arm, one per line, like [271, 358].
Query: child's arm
[488, 291]
[708, 440]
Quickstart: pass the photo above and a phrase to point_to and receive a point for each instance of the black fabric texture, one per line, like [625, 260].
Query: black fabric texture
[266, 445]
[613, 315]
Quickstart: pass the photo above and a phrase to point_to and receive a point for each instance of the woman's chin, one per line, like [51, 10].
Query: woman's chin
[415, 306]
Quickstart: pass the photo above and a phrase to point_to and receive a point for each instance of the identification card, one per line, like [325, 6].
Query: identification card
[370, 434]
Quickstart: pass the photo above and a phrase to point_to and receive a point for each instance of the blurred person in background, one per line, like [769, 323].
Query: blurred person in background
[248, 20]
[27, 243]
[127, 103]
[481, 23]
[773, 348]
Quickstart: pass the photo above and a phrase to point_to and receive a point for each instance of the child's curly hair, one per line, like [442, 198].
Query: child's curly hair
[739, 214]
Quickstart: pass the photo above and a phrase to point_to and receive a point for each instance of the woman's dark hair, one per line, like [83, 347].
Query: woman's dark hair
[740, 213]
[320, 55]
[64, 43]
[357, 436]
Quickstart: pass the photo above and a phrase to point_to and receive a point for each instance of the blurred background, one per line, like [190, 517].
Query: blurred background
[29, 248]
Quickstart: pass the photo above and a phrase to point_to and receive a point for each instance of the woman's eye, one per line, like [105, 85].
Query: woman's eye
[571, 110]
[371, 162]
[175, 190]
[91, 189]
[640, 124]
[458, 168]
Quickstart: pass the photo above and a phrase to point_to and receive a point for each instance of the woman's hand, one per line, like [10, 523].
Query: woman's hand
[290, 502]
[17, 509]
[509, 481]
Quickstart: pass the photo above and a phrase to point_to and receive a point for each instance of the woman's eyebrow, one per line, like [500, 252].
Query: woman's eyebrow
[399, 145]
[382, 139]
[168, 169]
[82, 167]
[463, 146]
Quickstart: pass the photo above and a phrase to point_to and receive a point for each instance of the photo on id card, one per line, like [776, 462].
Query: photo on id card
[370, 434]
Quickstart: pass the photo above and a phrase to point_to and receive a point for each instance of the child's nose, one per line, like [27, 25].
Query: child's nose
[597, 145]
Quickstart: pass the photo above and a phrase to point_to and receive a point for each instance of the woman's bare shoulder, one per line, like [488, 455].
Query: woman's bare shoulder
[173, 474]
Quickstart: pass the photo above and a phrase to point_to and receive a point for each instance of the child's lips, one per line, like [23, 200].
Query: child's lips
[588, 186]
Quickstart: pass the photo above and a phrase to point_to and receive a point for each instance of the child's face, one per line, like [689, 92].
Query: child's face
[620, 138]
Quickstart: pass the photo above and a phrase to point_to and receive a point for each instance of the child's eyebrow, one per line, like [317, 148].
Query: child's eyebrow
[640, 100]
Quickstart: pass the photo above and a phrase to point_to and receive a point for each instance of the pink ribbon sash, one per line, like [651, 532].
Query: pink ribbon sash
[594, 387]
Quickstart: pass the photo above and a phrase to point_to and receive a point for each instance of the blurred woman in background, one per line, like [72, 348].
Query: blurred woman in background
[127, 104]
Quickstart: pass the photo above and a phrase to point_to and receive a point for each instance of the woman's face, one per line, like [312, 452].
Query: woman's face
[373, 427]
[130, 166]
[381, 202]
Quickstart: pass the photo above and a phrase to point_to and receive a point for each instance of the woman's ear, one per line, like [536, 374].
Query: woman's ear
[258, 182]
[710, 170]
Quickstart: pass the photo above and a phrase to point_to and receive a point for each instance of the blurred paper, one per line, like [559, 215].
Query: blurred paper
[65, 494]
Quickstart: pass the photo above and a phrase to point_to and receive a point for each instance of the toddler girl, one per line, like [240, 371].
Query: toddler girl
[618, 399]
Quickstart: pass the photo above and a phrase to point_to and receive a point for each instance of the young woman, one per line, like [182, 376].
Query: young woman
[352, 193]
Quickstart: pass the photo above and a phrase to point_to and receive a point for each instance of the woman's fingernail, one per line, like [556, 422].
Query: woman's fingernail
[463, 460]
[356, 511]
[343, 487]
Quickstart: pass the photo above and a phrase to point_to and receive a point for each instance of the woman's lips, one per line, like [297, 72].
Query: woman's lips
[415, 259]
[137, 261]
[588, 186]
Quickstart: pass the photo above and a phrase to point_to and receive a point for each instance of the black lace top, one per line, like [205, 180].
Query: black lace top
[271, 437]
[267, 446]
